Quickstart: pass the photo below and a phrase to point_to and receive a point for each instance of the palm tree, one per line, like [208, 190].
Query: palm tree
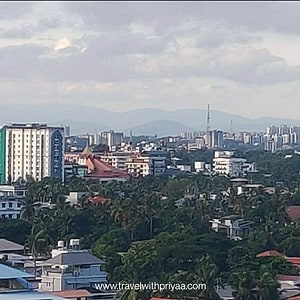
[148, 208]
[206, 272]
[129, 295]
[28, 208]
[118, 213]
[243, 282]
[38, 242]
[266, 285]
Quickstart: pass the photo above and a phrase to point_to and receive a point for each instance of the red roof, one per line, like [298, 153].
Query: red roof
[100, 169]
[269, 253]
[97, 200]
[163, 298]
[293, 212]
[72, 294]
[288, 277]
[294, 260]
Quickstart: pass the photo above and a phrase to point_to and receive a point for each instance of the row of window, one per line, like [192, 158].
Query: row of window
[10, 216]
[10, 205]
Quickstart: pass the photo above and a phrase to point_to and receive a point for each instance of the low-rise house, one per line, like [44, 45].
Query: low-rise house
[16, 285]
[85, 294]
[233, 226]
[293, 212]
[7, 246]
[70, 268]
[184, 168]
[74, 197]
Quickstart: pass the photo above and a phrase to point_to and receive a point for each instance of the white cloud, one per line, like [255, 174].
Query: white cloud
[127, 55]
[62, 44]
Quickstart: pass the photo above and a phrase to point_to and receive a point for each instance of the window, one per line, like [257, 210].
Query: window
[3, 205]
[10, 205]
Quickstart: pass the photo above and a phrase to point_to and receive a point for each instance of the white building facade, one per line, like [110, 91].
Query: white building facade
[147, 164]
[34, 150]
[225, 163]
[71, 269]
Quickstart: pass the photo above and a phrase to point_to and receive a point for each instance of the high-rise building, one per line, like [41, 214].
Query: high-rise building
[111, 138]
[35, 150]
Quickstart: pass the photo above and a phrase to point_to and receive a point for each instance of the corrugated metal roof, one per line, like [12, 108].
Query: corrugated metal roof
[73, 258]
[9, 273]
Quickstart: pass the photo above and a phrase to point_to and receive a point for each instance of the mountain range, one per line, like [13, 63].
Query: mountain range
[86, 119]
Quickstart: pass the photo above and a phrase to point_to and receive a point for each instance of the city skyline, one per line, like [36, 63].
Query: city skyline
[241, 58]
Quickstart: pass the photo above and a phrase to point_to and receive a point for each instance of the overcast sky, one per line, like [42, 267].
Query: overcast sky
[241, 58]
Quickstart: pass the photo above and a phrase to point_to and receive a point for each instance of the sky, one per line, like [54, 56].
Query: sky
[239, 57]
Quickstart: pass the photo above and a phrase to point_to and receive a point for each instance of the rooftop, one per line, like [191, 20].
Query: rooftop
[269, 253]
[293, 212]
[6, 246]
[28, 295]
[84, 292]
[73, 258]
[7, 272]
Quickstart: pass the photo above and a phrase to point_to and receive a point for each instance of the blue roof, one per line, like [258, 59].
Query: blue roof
[7, 272]
[28, 296]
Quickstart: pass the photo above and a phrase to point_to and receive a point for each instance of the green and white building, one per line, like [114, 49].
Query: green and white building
[35, 150]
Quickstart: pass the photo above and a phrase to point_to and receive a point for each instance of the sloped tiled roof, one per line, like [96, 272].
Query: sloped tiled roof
[97, 200]
[293, 212]
[294, 260]
[6, 245]
[269, 253]
[288, 277]
[74, 258]
[100, 169]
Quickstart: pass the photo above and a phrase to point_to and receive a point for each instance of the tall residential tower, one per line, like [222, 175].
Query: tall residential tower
[35, 150]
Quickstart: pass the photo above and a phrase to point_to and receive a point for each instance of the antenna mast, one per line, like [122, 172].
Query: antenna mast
[207, 120]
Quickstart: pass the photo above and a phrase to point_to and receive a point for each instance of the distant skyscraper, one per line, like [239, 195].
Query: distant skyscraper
[31, 150]
[111, 138]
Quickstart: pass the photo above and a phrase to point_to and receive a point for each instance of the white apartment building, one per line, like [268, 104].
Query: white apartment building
[10, 207]
[117, 159]
[147, 164]
[138, 167]
[225, 163]
[71, 269]
[15, 191]
[34, 150]
[11, 201]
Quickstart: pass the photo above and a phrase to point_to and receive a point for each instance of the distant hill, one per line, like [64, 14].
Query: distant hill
[160, 128]
[83, 119]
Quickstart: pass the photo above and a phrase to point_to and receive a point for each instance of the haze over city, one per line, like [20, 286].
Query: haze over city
[241, 58]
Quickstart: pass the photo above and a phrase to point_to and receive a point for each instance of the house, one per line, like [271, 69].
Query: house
[233, 226]
[85, 294]
[7, 246]
[293, 212]
[71, 268]
[97, 200]
[15, 285]
[74, 197]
